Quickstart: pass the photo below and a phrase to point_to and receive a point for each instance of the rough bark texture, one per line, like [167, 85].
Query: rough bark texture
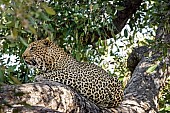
[141, 93]
[43, 97]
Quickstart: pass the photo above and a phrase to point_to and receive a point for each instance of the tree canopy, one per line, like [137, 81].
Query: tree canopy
[103, 32]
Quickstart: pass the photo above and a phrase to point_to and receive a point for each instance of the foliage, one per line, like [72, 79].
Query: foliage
[165, 98]
[73, 25]
[66, 22]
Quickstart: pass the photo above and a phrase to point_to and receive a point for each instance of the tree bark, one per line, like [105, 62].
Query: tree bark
[42, 97]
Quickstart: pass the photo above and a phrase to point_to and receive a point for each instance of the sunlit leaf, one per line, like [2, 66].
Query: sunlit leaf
[32, 30]
[151, 69]
[14, 33]
[167, 108]
[49, 10]
[15, 80]
[23, 41]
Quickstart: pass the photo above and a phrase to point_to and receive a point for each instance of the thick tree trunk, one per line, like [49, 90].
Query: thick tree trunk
[141, 93]
[43, 97]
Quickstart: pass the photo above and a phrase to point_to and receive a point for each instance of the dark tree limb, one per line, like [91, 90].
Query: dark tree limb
[131, 6]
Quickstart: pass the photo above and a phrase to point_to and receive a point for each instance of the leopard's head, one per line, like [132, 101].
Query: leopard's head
[44, 55]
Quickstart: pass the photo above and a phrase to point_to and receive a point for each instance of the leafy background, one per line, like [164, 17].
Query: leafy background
[73, 25]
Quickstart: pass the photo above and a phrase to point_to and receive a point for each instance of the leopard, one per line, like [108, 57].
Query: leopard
[87, 79]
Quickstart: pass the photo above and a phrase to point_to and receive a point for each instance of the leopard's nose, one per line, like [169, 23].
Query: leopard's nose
[25, 54]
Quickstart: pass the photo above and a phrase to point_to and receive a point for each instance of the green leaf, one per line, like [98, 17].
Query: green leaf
[78, 56]
[1, 75]
[96, 6]
[119, 8]
[167, 108]
[14, 33]
[23, 41]
[19, 94]
[12, 45]
[32, 30]
[151, 69]
[15, 80]
[126, 33]
[44, 16]
[49, 10]
[5, 1]
[165, 51]
[2, 26]
[101, 50]
[9, 24]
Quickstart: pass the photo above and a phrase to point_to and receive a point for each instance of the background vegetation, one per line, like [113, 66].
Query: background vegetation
[81, 27]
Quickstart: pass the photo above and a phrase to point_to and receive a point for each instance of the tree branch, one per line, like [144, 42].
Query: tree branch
[130, 8]
[141, 93]
[45, 96]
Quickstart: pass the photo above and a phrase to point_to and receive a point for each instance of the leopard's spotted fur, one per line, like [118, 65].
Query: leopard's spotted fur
[87, 79]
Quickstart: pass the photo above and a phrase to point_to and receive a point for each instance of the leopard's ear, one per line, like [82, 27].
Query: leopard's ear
[47, 38]
[47, 42]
